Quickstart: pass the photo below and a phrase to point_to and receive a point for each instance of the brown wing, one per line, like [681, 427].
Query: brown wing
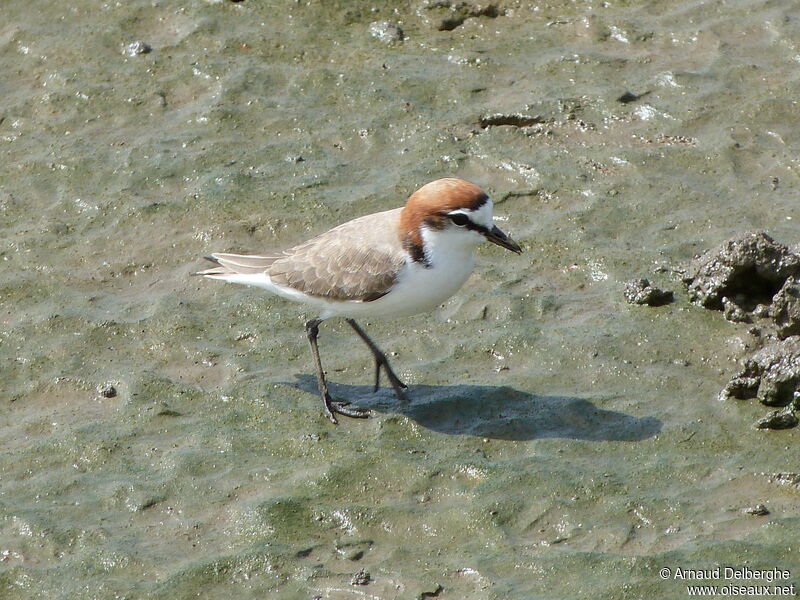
[359, 260]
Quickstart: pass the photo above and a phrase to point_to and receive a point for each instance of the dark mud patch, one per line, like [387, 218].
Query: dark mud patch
[510, 119]
[447, 15]
[629, 97]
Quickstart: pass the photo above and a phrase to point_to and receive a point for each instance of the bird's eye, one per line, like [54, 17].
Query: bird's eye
[459, 219]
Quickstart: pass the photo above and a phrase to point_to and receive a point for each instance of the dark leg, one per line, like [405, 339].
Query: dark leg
[330, 406]
[381, 361]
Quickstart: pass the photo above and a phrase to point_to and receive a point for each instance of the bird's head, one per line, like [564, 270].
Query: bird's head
[453, 211]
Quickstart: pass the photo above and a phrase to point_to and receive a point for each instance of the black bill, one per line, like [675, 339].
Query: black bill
[496, 236]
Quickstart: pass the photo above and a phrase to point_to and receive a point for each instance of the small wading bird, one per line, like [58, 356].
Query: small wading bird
[394, 263]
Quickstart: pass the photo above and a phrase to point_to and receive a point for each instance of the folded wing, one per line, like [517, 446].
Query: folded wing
[357, 261]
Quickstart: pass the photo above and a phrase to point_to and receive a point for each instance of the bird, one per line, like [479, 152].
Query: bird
[395, 263]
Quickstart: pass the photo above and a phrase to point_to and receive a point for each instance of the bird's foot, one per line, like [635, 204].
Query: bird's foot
[332, 407]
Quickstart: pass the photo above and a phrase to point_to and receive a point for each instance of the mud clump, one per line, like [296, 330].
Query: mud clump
[748, 278]
[785, 309]
[773, 376]
[778, 419]
[639, 291]
[742, 278]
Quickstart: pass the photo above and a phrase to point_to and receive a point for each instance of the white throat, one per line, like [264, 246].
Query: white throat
[449, 248]
[446, 246]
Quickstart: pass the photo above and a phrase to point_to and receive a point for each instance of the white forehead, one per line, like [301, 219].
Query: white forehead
[482, 216]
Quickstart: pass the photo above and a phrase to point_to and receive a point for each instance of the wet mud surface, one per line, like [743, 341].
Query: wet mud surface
[162, 435]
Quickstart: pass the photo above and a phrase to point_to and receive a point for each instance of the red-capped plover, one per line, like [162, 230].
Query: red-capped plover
[394, 263]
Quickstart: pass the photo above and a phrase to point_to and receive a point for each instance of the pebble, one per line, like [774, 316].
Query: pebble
[639, 291]
[138, 47]
[361, 578]
[386, 31]
[758, 509]
[106, 390]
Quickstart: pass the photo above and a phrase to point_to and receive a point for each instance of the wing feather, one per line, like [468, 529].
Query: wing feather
[358, 261]
[238, 263]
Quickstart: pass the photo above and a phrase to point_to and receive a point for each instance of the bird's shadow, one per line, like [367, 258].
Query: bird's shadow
[495, 412]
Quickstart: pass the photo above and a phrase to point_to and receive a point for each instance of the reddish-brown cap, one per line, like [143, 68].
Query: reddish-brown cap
[435, 198]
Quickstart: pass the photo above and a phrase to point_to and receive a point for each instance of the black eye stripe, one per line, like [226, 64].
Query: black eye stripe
[463, 220]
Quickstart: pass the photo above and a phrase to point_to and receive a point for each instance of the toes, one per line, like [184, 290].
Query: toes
[355, 413]
[329, 413]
